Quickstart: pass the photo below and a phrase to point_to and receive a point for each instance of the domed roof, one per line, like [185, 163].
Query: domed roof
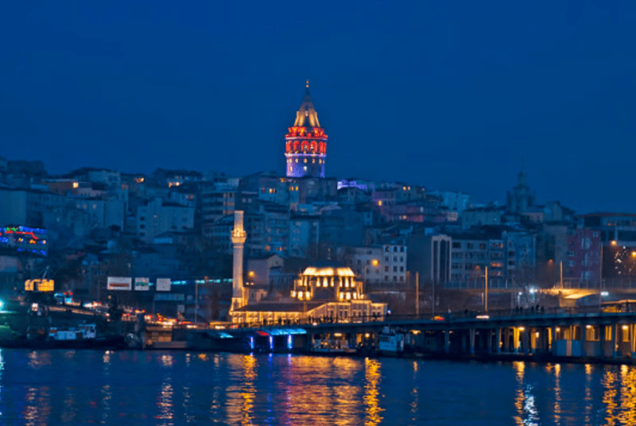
[329, 268]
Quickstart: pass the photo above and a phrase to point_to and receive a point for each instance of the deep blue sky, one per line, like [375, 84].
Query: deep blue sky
[448, 94]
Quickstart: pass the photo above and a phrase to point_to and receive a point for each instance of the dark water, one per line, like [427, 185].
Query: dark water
[172, 388]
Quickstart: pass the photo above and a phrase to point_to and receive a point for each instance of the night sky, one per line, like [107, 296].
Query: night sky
[453, 95]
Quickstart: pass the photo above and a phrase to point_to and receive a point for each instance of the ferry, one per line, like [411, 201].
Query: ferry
[390, 342]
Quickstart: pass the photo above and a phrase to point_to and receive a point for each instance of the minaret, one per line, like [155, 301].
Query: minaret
[306, 142]
[238, 241]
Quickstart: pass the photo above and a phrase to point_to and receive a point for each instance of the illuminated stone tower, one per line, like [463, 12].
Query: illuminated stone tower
[306, 142]
[238, 242]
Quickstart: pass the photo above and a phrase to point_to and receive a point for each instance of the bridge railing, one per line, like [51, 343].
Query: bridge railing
[535, 311]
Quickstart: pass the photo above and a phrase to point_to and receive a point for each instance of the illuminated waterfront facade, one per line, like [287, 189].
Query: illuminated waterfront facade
[324, 292]
[306, 143]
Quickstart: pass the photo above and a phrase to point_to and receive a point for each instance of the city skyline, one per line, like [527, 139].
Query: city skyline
[131, 90]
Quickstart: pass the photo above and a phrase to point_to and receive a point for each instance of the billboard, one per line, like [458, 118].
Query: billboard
[142, 284]
[163, 284]
[39, 285]
[119, 283]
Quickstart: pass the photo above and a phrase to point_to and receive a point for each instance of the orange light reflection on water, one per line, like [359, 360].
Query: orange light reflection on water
[528, 415]
[619, 396]
[372, 392]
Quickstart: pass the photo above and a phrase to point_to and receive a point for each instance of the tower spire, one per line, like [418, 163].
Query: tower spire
[306, 142]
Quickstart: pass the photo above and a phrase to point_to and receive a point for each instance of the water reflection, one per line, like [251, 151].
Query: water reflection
[178, 387]
[528, 414]
[241, 392]
[628, 395]
[619, 396]
[39, 359]
[610, 385]
[249, 391]
[588, 393]
[37, 407]
[372, 392]
[164, 401]
[415, 394]
[557, 394]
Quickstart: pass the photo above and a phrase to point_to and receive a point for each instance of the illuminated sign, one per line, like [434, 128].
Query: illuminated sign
[142, 284]
[119, 283]
[39, 285]
[163, 284]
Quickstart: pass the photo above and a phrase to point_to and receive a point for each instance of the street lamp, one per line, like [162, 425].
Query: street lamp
[374, 262]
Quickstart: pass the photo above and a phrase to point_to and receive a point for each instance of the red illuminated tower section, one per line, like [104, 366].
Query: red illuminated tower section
[306, 143]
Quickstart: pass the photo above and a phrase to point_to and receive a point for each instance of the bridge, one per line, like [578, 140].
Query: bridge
[555, 333]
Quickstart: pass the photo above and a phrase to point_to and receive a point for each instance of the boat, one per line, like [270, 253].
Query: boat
[390, 342]
[84, 336]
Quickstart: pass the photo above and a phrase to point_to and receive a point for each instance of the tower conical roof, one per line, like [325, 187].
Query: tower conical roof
[306, 116]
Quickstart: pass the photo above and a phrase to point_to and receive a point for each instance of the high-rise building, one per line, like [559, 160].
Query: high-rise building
[306, 143]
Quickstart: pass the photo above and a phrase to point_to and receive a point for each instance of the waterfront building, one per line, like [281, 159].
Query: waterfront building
[430, 256]
[326, 291]
[385, 263]
[306, 143]
[508, 253]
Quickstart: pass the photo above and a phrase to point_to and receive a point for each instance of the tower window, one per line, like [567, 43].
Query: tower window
[305, 160]
[297, 160]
